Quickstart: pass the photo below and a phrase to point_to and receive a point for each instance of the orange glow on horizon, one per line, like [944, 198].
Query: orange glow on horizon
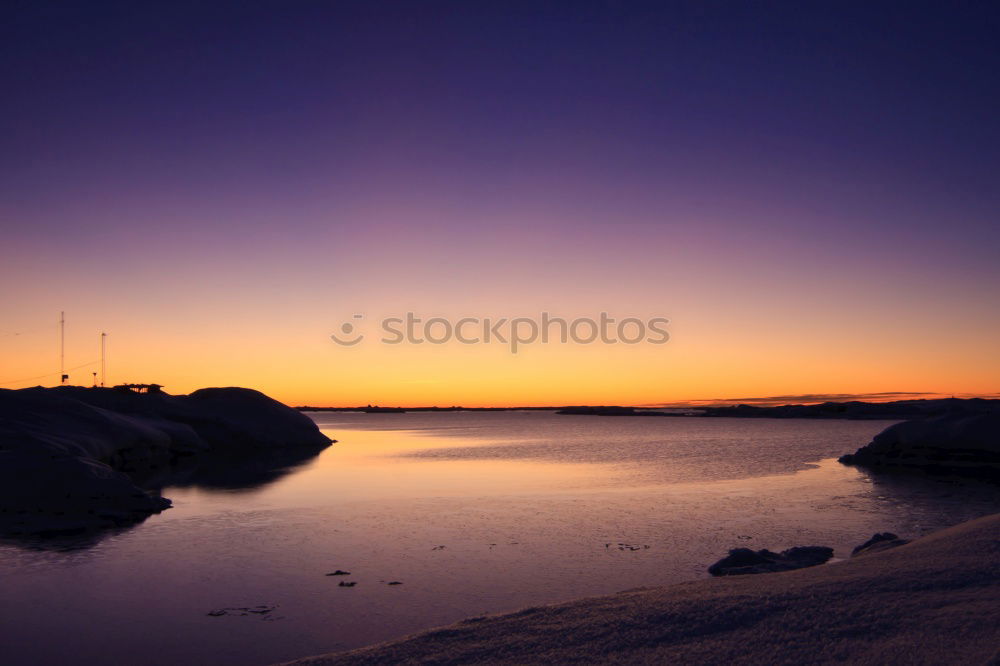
[741, 325]
[693, 368]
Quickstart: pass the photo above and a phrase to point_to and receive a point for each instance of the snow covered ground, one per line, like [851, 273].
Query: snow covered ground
[935, 600]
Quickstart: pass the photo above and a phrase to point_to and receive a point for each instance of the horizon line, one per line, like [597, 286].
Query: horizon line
[767, 401]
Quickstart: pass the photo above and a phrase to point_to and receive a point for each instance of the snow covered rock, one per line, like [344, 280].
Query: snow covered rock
[879, 542]
[742, 561]
[960, 445]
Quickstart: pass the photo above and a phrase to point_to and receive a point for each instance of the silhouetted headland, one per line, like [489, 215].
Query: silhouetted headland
[75, 458]
[957, 444]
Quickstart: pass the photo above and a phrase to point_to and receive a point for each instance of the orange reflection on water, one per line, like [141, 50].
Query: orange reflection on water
[366, 464]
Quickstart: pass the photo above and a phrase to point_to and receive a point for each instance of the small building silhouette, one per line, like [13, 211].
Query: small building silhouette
[140, 388]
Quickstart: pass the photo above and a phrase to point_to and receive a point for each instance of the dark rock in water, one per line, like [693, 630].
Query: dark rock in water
[957, 445]
[878, 542]
[244, 611]
[394, 582]
[70, 456]
[339, 572]
[347, 583]
[742, 561]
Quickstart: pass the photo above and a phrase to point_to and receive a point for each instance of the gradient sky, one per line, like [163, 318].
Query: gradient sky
[808, 192]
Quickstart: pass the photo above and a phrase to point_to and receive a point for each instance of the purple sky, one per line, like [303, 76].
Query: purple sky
[781, 163]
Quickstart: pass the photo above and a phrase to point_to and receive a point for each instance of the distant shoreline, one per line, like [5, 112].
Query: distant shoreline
[899, 409]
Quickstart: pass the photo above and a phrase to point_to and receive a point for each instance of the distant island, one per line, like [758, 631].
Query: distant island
[855, 409]
[625, 411]
[898, 409]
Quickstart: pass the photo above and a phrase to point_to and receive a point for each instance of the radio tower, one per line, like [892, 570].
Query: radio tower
[104, 337]
[62, 348]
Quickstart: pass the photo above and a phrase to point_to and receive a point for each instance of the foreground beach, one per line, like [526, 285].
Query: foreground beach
[935, 600]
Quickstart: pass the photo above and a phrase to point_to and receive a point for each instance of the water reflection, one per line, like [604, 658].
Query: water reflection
[532, 522]
[922, 499]
[63, 542]
[228, 472]
[231, 472]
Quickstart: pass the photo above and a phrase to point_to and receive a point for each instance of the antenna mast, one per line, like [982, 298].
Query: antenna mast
[104, 337]
[62, 348]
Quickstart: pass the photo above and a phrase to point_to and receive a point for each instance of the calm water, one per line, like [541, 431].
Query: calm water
[473, 512]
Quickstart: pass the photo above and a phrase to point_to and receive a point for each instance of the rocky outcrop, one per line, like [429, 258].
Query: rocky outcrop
[879, 542]
[742, 561]
[69, 456]
[959, 445]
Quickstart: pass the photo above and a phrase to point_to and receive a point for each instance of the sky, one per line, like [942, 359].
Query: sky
[808, 192]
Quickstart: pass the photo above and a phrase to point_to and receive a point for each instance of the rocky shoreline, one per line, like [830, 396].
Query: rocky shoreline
[70, 457]
[963, 445]
[929, 601]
